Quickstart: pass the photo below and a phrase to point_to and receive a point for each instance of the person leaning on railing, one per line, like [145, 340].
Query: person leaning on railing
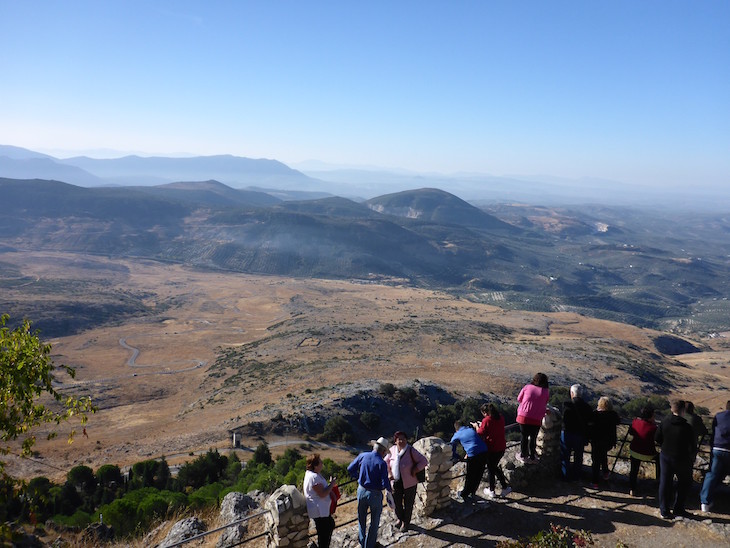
[642, 447]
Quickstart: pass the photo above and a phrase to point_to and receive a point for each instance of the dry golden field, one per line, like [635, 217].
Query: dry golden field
[161, 391]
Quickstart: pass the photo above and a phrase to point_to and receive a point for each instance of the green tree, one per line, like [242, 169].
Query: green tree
[262, 455]
[206, 469]
[26, 374]
[109, 475]
[149, 473]
[82, 478]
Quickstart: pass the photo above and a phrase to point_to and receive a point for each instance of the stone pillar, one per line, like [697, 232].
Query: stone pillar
[287, 520]
[435, 492]
[548, 440]
[548, 449]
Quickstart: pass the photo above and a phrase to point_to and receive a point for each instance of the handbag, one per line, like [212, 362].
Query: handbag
[421, 474]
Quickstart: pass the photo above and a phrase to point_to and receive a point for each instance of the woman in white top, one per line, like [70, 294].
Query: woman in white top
[317, 493]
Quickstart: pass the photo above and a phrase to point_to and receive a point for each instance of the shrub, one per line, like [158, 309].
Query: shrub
[370, 420]
[440, 421]
[633, 407]
[557, 536]
[78, 519]
[336, 429]
[208, 495]
[387, 389]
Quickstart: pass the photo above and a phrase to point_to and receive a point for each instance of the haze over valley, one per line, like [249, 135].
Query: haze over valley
[192, 309]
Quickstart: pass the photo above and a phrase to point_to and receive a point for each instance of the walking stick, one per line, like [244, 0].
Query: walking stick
[623, 442]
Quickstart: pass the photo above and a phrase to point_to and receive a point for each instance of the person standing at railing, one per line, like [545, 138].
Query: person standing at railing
[720, 460]
[371, 473]
[677, 441]
[317, 494]
[603, 438]
[404, 462]
[577, 416]
[532, 399]
[476, 457]
[642, 447]
[697, 424]
[491, 431]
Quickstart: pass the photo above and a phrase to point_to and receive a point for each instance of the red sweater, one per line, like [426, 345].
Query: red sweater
[643, 437]
[492, 432]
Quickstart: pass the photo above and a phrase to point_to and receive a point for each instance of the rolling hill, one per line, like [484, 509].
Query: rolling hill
[612, 263]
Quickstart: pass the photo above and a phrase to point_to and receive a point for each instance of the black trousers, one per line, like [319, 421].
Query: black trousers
[528, 443]
[599, 457]
[324, 526]
[634, 473]
[474, 470]
[494, 471]
[404, 499]
[669, 498]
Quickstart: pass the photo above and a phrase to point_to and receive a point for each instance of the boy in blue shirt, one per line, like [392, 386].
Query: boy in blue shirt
[476, 457]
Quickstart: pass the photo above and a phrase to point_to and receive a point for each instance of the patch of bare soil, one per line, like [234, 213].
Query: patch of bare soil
[610, 514]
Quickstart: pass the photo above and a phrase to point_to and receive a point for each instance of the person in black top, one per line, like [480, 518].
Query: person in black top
[574, 437]
[678, 444]
[603, 438]
[697, 424]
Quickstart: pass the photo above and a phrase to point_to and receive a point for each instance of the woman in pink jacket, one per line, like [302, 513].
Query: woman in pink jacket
[533, 400]
[403, 462]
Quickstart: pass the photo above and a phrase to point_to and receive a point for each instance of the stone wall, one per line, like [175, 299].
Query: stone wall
[435, 492]
[288, 522]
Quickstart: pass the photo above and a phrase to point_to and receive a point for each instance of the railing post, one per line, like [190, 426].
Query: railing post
[287, 520]
[435, 492]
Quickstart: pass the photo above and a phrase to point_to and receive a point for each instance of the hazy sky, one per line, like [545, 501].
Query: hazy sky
[632, 90]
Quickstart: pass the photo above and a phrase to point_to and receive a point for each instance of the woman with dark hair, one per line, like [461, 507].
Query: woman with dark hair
[403, 463]
[642, 447]
[492, 432]
[317, 494]
[533, 400]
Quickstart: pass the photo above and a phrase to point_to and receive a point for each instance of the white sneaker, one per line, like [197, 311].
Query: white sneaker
[489, 493]
[505, 491]
[705, 508]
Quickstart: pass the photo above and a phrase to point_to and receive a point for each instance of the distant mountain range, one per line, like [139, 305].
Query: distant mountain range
[19, 163]
[624, 264]
[357, 184]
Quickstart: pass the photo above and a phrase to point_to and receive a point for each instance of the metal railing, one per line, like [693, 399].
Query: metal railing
[616, 456]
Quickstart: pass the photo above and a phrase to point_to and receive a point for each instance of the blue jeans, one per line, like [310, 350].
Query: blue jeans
[571, 444]
[718, 470]
[373, 501]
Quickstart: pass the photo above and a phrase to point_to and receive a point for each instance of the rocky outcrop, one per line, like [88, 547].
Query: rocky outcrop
[182, 530]
[234, 508]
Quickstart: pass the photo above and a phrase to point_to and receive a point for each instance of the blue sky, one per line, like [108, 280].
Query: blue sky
[634, 91]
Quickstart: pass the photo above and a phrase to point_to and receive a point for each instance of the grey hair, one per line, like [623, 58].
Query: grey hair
[576, 390]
